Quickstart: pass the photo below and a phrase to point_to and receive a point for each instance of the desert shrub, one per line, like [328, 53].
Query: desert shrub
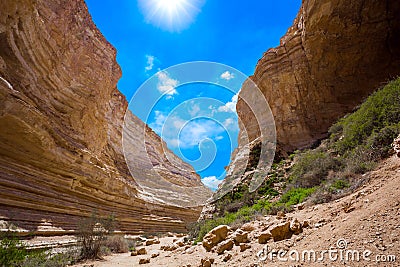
[12, 250]
[295, 196]
[92, 232]
[43, 259]
[339, 184]
[116, 244]
[380, 110]
[312, 167]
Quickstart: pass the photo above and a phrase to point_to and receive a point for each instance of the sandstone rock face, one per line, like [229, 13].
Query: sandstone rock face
[61, 123]
[335, 54]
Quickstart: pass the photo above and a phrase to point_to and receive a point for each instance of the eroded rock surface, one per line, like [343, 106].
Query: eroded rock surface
[335, 54]
[61, 120]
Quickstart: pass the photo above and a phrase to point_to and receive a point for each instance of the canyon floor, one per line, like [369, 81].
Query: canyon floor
[366, 220]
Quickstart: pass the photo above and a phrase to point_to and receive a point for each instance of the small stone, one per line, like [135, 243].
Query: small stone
[144, 261]
[295, 227]
[244, 247]
[155, 254]
[227, 257]
[141, 251]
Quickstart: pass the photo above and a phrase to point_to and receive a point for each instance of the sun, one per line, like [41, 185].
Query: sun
[170, 15]
[172, 6]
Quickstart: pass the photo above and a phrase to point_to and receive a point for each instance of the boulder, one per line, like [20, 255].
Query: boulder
[249, 227]
[281, 231]
[225, 245]
[264, 237]
[240, 236]
[215, 236]
[144, 261]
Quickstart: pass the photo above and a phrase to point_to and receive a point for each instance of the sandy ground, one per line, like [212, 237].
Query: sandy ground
[367, 221]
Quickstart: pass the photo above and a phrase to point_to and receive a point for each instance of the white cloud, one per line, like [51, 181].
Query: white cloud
[227, 75]
[158, 123]
[150, 62]
[230, 106]
[212, 182]
[228, 122]
[166, 85]
[194, 109]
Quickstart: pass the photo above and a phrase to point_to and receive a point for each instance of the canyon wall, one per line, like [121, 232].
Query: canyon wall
[336, 53]
[61, 118]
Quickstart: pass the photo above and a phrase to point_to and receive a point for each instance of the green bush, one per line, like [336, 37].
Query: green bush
[312, 167]
[42, 259]
[12, 251]
[380, 110]
[295, 196]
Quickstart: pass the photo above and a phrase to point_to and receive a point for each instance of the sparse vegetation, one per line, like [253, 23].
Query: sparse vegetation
[13, 252]
[92, 232]
[116, 244]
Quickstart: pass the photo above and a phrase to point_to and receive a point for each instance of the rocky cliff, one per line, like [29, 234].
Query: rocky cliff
[335, 54]
[61, 118]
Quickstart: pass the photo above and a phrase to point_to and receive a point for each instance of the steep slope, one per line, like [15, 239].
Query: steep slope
[335, 54]
[61, 123]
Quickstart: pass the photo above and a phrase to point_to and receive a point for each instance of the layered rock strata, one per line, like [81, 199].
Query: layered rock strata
[61, 118]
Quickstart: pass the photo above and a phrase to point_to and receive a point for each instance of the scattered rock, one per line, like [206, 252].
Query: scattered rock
[295, 227]
[264, 237]
[280, 215]
[207, 262]
[180, 244]
[225, 245]
[155, 254]
[180, 235]
[141, 251]
[144, 261]
[249, 227]
[240, 236]
[227, 257]
[215, 236]
[281, 231]
[151, 242]
[305, 224]
[243, 247]
[134, 253]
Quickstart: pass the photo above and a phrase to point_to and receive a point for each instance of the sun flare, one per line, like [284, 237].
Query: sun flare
[172, 5]
[170, 15]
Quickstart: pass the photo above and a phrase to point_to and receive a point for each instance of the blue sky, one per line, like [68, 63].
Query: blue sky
[197, 120]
